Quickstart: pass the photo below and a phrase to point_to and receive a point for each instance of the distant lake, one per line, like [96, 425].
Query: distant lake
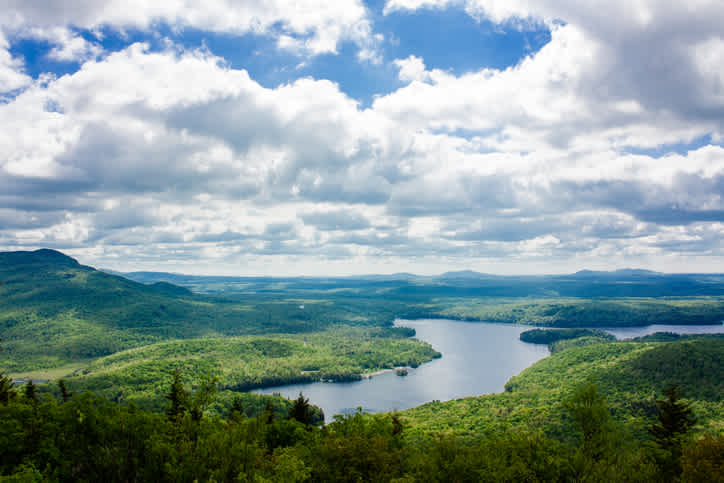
[631, 332]
[477, 358]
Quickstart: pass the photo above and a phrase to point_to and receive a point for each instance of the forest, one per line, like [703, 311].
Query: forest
[148, 380]
[583, 436]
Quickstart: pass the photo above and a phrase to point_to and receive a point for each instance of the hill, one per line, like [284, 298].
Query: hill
[55, 311]
[141, 375]
[630, 375]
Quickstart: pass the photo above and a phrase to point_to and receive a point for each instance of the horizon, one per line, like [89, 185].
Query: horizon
[113, 271]
[365, 136]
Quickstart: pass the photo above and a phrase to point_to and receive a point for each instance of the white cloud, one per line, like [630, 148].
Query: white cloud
[68, 46]
[176, 152]
[12, 76]
[308, 26]
[411, 69]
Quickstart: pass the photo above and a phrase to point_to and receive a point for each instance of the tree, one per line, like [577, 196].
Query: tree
[30, 391]
[589, 412]
[178, 398]
[64, 391]
[6, 387]
[203, 397]
[237, 410]
[7, 392]
[600, 454]
[675, 419]
[301, 410]
[703, 460]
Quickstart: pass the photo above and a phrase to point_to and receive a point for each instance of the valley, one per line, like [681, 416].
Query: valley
[119, 344]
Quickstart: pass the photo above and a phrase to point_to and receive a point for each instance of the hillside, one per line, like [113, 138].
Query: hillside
[56, 312]
[630, 376]
[142, 375]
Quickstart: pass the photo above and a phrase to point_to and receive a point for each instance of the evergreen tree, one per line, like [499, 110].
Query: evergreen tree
[675, 419]
[7, 392]
[30, 391]
[237, 410]
[301, 410]
[268, 416]
[64, 391]
[6, 386]
[178, 398]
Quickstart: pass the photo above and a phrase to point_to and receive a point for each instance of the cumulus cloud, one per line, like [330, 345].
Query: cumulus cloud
[309, 26]
[411, 69]
[12, 76]
[173, 155]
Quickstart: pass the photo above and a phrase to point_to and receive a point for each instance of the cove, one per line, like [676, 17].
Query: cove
[477, 358]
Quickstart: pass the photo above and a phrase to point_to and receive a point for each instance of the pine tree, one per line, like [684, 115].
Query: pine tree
[30, 391]
[7, 393]
[178, 398]
[675, 419]
[6, 387]
[301, 410]
[64, 391]
[237, 410]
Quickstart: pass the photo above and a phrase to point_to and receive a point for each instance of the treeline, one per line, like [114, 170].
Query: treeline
[549, 336]
[245, 363]
[88, 438]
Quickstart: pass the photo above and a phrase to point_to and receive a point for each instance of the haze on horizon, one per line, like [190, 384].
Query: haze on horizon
[359, 137]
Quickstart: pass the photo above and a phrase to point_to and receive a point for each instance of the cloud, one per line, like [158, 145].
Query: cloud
[12, 76]
[411, 69]
[659, 54]
[337, 220]
[309, 27]
[140, 153]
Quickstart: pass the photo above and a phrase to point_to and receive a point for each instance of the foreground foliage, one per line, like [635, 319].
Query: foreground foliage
[88, 438]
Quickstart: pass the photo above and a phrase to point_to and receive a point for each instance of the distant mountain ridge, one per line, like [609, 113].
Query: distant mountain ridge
[55, 311]
[620, 273]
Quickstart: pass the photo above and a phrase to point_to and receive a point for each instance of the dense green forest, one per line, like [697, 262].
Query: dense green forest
[243, 363]
[56, 315]
[596, 413]
[628, 374]
[149, 378]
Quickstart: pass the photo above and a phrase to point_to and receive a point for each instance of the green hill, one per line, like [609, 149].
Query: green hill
[55, 312]
[142, 375]
[630, 375]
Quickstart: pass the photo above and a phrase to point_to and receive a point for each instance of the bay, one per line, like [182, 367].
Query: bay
[478, 358]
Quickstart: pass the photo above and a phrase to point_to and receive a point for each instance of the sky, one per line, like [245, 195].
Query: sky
[309, 137]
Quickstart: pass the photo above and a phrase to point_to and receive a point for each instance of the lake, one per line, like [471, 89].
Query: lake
[477, 358]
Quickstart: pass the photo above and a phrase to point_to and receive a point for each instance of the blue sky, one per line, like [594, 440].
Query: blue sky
[357, 137]
[449, 40]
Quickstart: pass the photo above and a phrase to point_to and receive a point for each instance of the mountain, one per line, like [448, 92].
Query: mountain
[54, 311]
[621, 274]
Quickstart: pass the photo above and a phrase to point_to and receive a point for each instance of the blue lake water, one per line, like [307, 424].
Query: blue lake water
[478, 358]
